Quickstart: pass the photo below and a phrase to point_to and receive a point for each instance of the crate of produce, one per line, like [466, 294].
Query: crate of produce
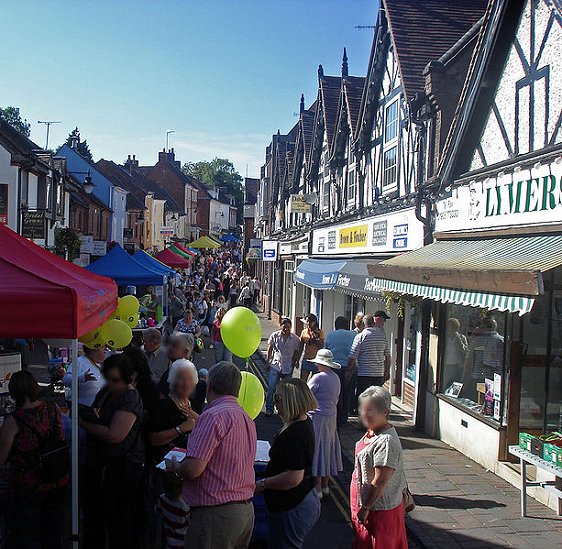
[537, 447]
[553, 454]
[525, 441]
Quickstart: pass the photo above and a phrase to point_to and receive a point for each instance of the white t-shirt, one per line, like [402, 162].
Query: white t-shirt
[87, 390]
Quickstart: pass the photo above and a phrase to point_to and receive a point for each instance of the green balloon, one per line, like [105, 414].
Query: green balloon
[241, 331]
[251, 395]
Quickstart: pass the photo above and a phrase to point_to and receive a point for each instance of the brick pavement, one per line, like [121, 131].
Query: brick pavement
[459, 503]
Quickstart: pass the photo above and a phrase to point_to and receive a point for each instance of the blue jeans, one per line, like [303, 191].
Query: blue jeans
[288, 529]
[221, 352]
[272, 381]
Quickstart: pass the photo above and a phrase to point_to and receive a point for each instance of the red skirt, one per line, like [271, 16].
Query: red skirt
[382, 530]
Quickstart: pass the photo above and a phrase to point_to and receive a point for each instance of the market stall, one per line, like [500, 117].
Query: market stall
[47, 297]
[205, 242]
[146, 259]
[172, 260]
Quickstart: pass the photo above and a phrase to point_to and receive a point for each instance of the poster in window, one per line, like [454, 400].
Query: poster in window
[3, 203]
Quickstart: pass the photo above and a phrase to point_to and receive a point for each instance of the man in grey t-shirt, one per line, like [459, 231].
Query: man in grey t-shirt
[370, 353]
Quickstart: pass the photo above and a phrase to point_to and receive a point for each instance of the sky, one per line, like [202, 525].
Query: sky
[224, 74]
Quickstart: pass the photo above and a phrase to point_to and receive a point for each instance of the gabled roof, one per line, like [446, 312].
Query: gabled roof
[496, 34]
[20, 145]
[329, 91]
[424, 30]
[307, 127]
[120, 178]
[353, 91]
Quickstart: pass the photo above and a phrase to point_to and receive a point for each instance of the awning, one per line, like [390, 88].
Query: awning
[354, 279]
[318, 274]
[500, 273]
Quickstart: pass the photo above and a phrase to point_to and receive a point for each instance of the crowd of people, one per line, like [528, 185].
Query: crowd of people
[138, 404]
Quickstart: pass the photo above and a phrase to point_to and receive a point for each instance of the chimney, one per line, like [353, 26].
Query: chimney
[132, 163]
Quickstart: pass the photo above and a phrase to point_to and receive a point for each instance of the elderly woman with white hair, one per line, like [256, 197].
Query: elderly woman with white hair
[174, 418]
[378, 483]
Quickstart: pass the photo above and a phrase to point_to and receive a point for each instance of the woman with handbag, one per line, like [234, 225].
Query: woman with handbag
[116, 455]
[27, 438]
[378, 485]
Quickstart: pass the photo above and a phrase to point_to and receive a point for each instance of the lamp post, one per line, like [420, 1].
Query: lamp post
[88, 184]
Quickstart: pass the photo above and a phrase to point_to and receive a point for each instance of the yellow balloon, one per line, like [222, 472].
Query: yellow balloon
[116, 334]
[128, 305]
[241, 331]
[251, 395]
[115, 314]
[93, 339]
[131, 320]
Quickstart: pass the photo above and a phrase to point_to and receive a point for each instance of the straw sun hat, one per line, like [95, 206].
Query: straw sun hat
[326, 358]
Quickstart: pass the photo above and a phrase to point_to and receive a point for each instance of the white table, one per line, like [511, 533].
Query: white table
[554, 486]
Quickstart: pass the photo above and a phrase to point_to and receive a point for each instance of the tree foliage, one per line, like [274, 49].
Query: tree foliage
[219, 174]
[12, 116]
[81, 146]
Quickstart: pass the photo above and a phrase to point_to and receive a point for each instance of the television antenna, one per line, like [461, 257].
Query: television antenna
[363, 27]
[48, 123]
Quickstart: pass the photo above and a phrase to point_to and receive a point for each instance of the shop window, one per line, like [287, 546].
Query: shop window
[554, 386]
[410, 368]
[473, 359]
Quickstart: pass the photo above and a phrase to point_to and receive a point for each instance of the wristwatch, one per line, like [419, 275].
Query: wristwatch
[178, 430]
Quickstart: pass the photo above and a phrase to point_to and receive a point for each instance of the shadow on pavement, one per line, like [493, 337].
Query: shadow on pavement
[452, 502]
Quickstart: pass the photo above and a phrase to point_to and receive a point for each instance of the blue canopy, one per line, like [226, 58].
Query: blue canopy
[125, 270]
[148, 261]
[321, 274]
[229, 238]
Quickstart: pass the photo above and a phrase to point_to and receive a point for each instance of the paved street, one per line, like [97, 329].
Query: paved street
[459, 503]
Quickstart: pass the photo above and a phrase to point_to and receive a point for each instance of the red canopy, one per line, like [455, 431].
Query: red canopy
[171, 259]
[45, 296]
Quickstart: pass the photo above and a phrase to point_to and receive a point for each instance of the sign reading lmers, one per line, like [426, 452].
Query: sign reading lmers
[527, 197]
[396, 232]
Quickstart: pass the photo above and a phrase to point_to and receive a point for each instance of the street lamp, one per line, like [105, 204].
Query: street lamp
[88, 184]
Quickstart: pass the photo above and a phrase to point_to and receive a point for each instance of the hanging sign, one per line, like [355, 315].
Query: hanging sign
[269, 250]
[99, 247]
[33, 224]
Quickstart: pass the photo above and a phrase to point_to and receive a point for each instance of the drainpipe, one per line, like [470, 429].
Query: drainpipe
[18, 203]
[423, 199]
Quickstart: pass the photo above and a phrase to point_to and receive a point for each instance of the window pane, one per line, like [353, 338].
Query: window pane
[391, 122]
[389, 166]
[554, 408]
[473, 359]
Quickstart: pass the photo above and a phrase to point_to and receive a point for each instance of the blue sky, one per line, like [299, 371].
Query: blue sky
[224, 74]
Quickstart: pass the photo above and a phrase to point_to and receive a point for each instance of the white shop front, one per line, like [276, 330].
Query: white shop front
[343, 255]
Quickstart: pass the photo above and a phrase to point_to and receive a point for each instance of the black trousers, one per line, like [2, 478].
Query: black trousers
[113, 491]
[37, 519]
[364, 382]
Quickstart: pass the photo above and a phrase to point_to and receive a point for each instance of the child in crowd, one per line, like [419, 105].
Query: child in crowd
[174, 512]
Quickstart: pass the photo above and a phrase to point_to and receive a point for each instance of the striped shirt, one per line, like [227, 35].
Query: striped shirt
[174, 520]
[370, 348]
[225, 438]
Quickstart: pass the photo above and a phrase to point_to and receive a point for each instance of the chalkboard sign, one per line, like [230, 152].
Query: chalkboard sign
[33, 224]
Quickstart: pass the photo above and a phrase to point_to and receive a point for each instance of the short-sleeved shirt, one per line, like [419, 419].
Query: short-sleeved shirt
[292, 450]
[340, 342]
[132, 447]
[283, 351]
[225, 438]
[186, 328]
[383, 450]
[370, 348]
[166, 416]
[312, 342]
[325, 386]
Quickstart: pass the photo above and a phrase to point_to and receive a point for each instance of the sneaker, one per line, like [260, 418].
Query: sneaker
[326, 491]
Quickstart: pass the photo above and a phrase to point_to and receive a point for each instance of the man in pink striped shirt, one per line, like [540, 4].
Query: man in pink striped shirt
[218, 472]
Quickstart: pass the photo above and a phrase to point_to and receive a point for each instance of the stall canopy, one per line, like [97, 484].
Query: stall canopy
[174, 248]
[229, 238]
[192, 253]
[146, 259]
[501, 273]
[205, 242]
[126, 270]
[171, 259]
[45, 296]
[318, 273]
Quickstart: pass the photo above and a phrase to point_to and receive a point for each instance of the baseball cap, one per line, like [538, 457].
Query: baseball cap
[381, 313]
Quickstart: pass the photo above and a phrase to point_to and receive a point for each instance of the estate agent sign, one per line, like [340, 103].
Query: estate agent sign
[526, 197]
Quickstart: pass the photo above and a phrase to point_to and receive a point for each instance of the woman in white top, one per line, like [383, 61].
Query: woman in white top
[90, 380]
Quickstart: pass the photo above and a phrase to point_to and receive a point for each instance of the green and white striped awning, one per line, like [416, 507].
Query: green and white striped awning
[512, 304]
